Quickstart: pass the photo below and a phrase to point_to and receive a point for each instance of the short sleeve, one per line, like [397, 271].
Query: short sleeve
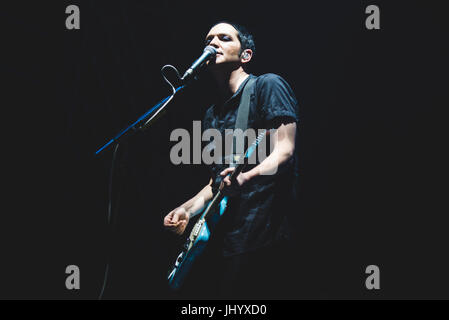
[275, 98]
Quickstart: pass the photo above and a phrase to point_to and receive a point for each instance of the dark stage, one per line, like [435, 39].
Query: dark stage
[371, 141]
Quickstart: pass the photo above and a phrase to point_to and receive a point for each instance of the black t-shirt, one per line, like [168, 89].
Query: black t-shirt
[258, 216]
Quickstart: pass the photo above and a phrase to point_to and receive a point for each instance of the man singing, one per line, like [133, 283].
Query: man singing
[246, 257]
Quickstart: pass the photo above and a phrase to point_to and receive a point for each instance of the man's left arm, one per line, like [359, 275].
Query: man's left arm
[283, 149]
[278, 107]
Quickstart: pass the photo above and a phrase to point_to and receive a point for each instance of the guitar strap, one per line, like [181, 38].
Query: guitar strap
[241, 121]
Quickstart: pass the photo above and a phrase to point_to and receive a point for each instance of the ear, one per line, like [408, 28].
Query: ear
[246, 55]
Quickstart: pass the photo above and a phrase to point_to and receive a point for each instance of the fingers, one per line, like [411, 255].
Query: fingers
[226, 174]
[175, 227]
[168, 219]
[171, 220]
[225, 181]
[179, 229]
[226, 171]
[176, 221]
[174, 216]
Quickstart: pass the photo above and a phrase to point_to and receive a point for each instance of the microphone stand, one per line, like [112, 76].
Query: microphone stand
[140, 125]
[137, 125]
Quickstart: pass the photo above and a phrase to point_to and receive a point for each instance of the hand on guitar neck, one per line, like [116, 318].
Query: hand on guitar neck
[232, 185]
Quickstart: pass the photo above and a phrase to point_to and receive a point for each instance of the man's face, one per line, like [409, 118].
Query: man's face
[224, 38]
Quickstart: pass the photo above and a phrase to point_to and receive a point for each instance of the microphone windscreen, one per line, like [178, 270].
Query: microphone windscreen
[211, 50]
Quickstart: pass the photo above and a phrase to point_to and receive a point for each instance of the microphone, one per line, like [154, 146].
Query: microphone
[208, 54]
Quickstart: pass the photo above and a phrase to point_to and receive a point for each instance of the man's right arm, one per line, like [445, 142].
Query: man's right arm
[178, 218]
[195, 205]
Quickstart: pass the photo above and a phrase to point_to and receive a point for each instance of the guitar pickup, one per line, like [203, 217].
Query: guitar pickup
[197, 228]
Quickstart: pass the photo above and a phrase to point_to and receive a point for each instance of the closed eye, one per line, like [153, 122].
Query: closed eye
[222, 37]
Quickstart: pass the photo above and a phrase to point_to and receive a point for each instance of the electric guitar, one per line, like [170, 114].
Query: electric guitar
[200, 234]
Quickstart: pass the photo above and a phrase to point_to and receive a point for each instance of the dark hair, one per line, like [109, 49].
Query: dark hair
[245, 37]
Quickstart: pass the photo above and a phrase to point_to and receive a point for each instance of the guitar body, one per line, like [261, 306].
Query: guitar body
[195, 245]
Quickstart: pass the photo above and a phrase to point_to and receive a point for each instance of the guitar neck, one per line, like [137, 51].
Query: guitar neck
[239, 163]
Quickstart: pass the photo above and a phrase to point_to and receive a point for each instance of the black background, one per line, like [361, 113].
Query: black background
[372, 142]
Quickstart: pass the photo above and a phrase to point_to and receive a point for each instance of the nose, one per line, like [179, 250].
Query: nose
[214, 42]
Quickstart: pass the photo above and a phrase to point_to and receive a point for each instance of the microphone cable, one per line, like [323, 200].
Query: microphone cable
[174, 91]
[111, 175]
[113, 164]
